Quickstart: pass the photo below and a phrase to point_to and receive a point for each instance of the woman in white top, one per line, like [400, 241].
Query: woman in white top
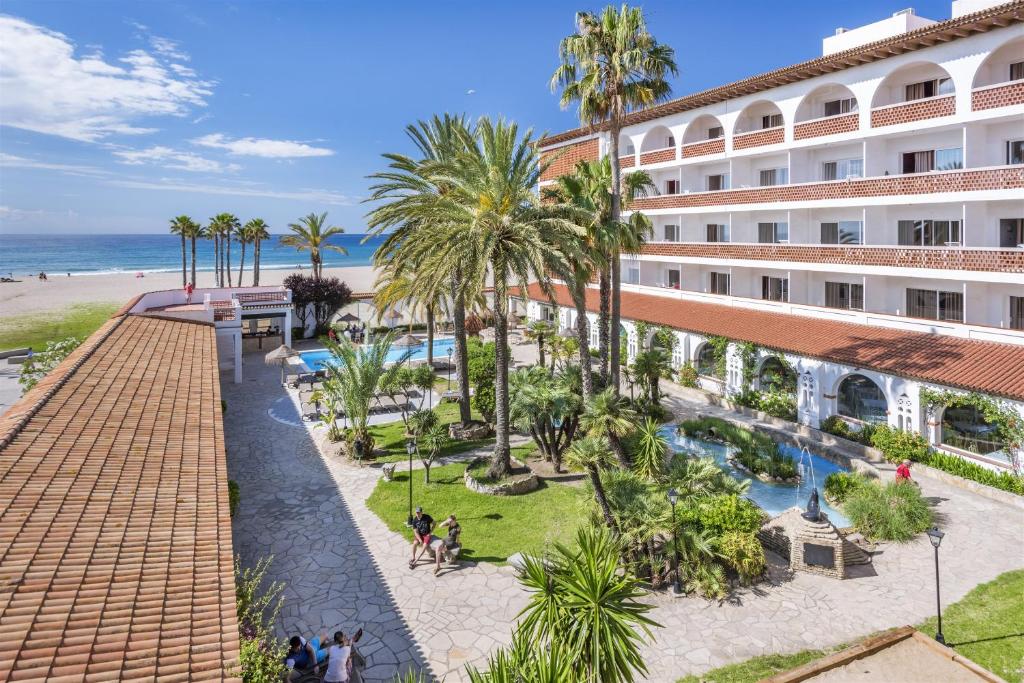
[337, 664]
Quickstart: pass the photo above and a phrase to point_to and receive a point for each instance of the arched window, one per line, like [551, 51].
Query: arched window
[965, 428]
[707, 362]
[860, 398]
[777, 377]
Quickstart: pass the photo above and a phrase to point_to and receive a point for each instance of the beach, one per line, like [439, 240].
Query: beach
[30, 295]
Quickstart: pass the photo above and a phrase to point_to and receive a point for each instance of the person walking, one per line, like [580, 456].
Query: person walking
[903, 472]
[422, 526]
[189, 288]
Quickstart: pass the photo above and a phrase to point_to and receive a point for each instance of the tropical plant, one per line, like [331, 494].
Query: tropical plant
[330, 395]
[894, 512]
[608, 415]
[312, 235]
[688, 376]
[39, 365]
[395, 286]
[226, 225]
[650, 451]
[423, 379]
[321, 296]
[482, 371]
[839, 485]
[243, 238]
[421, 421]
[432, 442]
[743, 553]
[962, 467]
[611, 66]
[649, 367]
[643, 518]
[546, 408]
[539, 331]
[723, 513]
[581, 602]
[591, 453]
[898, 445]
[526, 661]
[261, 653]
[258, 230]
[182, 226]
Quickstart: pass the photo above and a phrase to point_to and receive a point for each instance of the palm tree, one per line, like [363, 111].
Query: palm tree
[538, 331]
[592, 454]
[230, 224]
[394, 287]
[194, 232]
[213, 231]
[310, 234]
[257, 229]
[243, 238]
[612, 66]
[608, 416]
[406, 194]
[649, 367]
[180, 227]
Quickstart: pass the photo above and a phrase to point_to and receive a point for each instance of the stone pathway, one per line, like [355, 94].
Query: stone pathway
[345, 569]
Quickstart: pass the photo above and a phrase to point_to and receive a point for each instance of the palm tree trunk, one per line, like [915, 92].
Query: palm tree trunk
[216, 260]
[602, 498]
[461, 347]
[583, 336]
[241, 265]
[430, 337]
[184, 264]
[193, 260]
[620, 453]
[616, 266]
[540, 348]
[603, 320]
[256, 263]
[228, 256]
[501, 461]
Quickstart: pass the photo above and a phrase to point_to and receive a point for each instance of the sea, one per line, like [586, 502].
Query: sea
[23, 255]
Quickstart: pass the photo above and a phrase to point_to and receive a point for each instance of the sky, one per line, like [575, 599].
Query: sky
[117, 116]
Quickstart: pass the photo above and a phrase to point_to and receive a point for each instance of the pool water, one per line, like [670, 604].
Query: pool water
[315, 360]
[771, 497]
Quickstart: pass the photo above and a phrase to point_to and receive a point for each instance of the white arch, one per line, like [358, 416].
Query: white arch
[812, 105]
[893, 88]
[880, 386]
[659, 137]
[700, 129]
[995, 68]
[752, 117]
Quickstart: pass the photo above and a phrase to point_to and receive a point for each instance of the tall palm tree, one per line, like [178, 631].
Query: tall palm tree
[213, 231]
[258, 232]
[243, 238]
[310, 234]
[609, 416]
[394, 287]
[230, 224]
[612, 66]
[406, 194]
[649, 367]
[193, 232]
[180, 226]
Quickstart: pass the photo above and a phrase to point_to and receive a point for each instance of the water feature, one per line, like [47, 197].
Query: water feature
[773, 498]
[315, 359]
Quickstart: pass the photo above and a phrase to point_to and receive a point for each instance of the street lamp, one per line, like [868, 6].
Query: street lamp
[449, 368]
[935, 536]
[673, 498]
[410, 448]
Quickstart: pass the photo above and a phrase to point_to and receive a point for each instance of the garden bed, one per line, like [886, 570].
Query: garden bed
[519, 481]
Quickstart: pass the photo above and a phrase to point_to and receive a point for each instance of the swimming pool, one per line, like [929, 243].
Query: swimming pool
[772, 498]
[315, 360]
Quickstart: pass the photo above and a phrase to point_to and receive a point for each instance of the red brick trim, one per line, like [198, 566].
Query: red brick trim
[999, 96]
[699, 149]
[846, 123]
[950, 258]
[563, 159]
[1006, 178]
[628, 161]
[759, 138]
[931, 108]
[658, 156]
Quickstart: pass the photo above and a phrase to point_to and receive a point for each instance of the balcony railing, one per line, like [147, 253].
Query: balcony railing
[627, 161]
[759, 138]
[917, 110]
[829, 125]
[998, 95]
[704, 147]
[935, 182]
[658, 156]
[941, 258]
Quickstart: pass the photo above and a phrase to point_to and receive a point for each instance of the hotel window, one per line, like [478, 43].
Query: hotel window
[932, 88]
[715, 132]
[720, 283]
[630, 149]
[842, 232]
[671, 233]
[717, 232]
[928, 233]
[772, 233]
[670, 141]
[844, 295]
[1017, 71]
[841, 169]
[933, 160]
[672, 279]
[1017, 312]
[774, 176]
[774, 288]
[718, 181]
[1011, 232]
[934, 305]
[633, 275]
[771, 121]
[671, 187]
[1015, 152]
[837, 107]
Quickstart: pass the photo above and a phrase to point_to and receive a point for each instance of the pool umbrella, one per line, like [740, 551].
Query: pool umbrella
[280, 356]
[407, 340]
[348, 318]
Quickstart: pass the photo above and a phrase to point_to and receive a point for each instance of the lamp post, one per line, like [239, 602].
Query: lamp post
[673, 498]
[449, 368]
[410, 448]
[935, 536]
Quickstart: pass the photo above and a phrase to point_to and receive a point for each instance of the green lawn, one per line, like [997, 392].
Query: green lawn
[493, 527]
[987, 627]
[391, 437]
[36, 329]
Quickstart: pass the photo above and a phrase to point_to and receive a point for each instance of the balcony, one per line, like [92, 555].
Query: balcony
[627, 161]
[658, 156]
[918, 110]
[759, 138]
[998, 95]
[940, 258]
[704, 147]
[828, 125]
[935, 182]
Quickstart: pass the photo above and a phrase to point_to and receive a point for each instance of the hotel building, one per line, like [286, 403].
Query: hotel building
[860, 215]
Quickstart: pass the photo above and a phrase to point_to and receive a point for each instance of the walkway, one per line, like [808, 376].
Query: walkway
[345, 569]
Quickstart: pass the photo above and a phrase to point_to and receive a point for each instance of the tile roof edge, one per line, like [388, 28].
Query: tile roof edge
[25, 408]
[171, 318]
[126, 309]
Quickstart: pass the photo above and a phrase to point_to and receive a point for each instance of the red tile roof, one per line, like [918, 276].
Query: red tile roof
[115, 535]
[988, 367]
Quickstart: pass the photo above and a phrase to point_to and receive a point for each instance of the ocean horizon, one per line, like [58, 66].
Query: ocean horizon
[24, 255]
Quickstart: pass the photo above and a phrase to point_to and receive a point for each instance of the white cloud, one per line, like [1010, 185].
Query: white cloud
[259, 147]
[168, 48]
[171, 158]
[471, 92]
[48, 89]
[12, 161]
[315, 196]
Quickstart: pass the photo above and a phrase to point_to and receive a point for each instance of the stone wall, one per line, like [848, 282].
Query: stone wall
[513, 486]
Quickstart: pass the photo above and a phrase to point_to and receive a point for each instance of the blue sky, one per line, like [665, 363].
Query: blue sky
[117, 116]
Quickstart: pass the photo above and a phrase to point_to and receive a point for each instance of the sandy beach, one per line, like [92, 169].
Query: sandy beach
[33, 296]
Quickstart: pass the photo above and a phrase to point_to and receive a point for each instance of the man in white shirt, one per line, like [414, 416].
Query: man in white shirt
[338, 656]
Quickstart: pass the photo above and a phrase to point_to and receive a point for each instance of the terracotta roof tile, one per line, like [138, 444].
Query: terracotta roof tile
[115, 561]
[987, 367]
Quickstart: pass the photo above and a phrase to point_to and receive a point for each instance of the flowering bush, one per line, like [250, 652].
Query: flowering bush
[38, 365]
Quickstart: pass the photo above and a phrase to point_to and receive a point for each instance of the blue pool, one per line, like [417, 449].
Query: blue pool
[772, 498]
[315, 359]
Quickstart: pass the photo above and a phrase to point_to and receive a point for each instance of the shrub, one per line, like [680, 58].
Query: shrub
[839, 485]
[723, 513]
[422, 421]
[744, 554]
[898, 445]
[234, 496]
[482, 370]
[778, 404]
[688, 376]
[754, 450]
[962, 467]
[261, 655]
[837, 426]
[894, 512]
[38, 365]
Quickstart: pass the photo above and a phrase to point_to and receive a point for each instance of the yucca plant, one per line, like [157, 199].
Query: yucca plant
[651, 449]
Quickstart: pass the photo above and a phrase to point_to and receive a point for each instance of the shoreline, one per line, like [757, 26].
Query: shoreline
[28, 296]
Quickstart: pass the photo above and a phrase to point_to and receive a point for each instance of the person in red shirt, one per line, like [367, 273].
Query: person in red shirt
[189, 288]
[903, 472]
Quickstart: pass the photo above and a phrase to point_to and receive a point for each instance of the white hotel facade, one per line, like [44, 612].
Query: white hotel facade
[861, 214]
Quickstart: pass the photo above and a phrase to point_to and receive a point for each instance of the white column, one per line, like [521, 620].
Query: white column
[237, 341]
[288, 327]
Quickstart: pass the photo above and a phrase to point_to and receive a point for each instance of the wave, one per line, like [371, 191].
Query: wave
[303, 267]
